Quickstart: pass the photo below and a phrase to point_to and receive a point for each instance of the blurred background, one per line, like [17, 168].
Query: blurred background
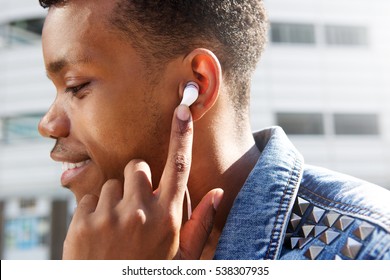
[324, 77]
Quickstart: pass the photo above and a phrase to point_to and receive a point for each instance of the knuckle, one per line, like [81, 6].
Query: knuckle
[171, 220]
[81, 228]
[134, 219]
[139, 217]
[105, 221]
[181, 162]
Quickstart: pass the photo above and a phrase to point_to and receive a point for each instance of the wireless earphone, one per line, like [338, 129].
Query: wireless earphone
[190, 94]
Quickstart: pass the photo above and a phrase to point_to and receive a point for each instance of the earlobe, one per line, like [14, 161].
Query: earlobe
[206, 72]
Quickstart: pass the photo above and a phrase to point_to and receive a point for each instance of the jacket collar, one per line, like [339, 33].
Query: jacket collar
[258, 219]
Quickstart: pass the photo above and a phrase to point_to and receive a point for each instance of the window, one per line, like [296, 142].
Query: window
[21, 32]
[302, 33]
[356, 124]
[301, 123]
[3, 35]
[292, 33]
[33, 26]
[346, 35]
[27, 204]
[1, 131]
[26, 233]
[20, 128]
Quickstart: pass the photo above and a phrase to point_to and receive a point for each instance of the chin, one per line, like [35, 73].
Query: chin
[80, 190]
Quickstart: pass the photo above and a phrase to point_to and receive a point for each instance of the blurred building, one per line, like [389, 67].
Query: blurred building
[34, 208]
[324, 78]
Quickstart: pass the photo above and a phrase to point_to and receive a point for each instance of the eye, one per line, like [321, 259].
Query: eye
[76, 89]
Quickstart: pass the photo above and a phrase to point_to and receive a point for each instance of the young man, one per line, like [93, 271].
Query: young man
[129, 151]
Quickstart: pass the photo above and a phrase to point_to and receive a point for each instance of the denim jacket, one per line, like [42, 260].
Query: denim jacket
[289, 210]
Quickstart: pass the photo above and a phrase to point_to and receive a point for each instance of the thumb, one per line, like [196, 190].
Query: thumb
[195, 232]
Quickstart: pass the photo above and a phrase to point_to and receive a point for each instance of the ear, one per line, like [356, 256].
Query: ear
[206, 72]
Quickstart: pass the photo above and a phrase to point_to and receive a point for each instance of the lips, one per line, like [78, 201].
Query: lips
[73, 172]
[75, 162]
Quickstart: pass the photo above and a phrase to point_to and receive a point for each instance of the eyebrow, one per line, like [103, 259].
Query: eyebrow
[56, 66]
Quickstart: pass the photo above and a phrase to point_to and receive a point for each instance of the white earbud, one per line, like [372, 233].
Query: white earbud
[190, 94]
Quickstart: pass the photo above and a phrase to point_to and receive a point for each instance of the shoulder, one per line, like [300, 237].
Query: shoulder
[336, 216]
[346, 194]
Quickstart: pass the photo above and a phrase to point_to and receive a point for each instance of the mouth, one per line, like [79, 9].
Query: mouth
[72, 171]
[69, 165]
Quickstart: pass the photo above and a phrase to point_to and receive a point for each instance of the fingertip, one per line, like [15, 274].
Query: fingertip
[183, 113]
[87, 204]
[217, 198]
[88, 199]
[184, 118]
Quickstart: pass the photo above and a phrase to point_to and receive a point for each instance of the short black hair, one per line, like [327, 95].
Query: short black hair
[234, 30]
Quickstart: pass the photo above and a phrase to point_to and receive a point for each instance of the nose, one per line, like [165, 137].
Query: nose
[55, 123]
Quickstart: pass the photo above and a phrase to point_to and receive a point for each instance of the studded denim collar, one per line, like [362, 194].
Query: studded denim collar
[258, 219]
[286, 210]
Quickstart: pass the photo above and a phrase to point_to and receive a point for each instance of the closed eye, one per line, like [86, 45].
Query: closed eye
[76, 89]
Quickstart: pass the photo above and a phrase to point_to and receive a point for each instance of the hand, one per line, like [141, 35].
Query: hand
[132, 221]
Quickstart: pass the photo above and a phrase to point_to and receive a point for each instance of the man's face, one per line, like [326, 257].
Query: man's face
[105, 112]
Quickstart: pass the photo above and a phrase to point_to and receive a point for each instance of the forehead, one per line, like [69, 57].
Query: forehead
[81, 15]
[77, 30]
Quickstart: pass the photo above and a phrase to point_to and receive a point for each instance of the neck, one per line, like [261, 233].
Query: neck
[220, 161]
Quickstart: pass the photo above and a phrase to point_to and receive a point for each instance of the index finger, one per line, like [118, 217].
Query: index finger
[177, 168]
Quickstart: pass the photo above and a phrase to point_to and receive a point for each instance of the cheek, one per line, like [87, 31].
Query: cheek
[109, 142]
[114, 134]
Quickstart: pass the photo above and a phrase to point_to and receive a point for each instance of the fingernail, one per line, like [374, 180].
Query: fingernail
[184, 117]
[217, 198]
[183, 113]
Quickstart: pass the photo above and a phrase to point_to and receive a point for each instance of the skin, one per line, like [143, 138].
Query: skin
[139, 149]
